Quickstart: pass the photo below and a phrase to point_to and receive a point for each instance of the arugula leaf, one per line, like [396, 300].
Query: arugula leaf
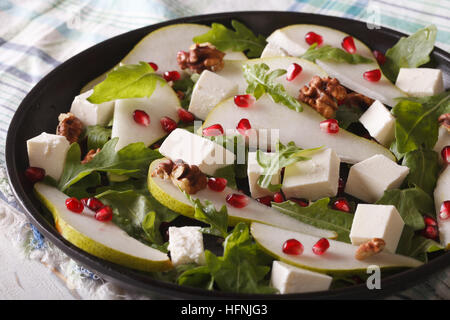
[261, 81]
[318, 214]
[416, 123]
[229, 173]
[81, 189]
[411, 203]
[346, 115]
[329, 53]
[186, 86]
[132, 160]
[423, 169]
[242, 39]
[416, 246]
[273, 162]
[198, 277]
[409, 52]
[208, 213]
[97, 136]
[127, 81]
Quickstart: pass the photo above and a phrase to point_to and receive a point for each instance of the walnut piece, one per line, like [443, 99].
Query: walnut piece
[163, 170]
[69, 126]
[323, 95]
[203, 56]
[90, 155]
[370, 248]
[444, 120]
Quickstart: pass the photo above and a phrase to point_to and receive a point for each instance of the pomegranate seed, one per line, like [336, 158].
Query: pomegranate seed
[35, 174]
[168, 124]
[445, 153]
[92, 203]
[372, 75]
[74, 205]
[244, 100]
[430, 232]
[237, 200]
[171, 76]
[321, 246]
[312, 37]
[217, 184]
[154, 66]
[185, 115]
[293, 247]
[348, 44]
[293, 71]
[104, 214]
[243, 126]
[267, 200]
[341, 205]
[341, 186]
[329, 126]
[444, 212]
[278, 197]
[429, 221]
[300, 202]
[141, 117]
[381, 58]
[214, 130]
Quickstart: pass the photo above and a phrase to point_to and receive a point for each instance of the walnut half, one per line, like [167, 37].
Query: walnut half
[69, 126]
[90, 155]
[201, 57]
[370, 248]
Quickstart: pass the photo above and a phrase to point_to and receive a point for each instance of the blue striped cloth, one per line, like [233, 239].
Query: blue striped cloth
[36, 36]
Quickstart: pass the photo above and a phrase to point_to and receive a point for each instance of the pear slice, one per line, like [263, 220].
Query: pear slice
[339, 259]
[301, 127]
[441, 194]
[161, 47]
[291, 40]
[101, 239]
[170, 196]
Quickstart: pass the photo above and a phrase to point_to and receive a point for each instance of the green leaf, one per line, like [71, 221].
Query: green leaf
[273, 162]
[423, 169]
[241, 39]
[416, 246]
[84, 187]
[346, 115]
[329, 53]
[132, 160]
[237, 145]
[229, 173]
[198, 277]
[416, 123]
[261, 81]
[97, 136]
[127, 81]
[409, 52]
[185, 85]
[318, 214]
[411, 203]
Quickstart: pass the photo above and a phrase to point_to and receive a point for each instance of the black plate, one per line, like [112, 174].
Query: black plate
[54, 94]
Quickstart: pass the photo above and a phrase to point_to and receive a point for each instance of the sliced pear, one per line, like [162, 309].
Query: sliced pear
[101, 239]
[301, 127]
[162, 103]
[441, 194]
[291, 40]
[338, 259]
[170, 196]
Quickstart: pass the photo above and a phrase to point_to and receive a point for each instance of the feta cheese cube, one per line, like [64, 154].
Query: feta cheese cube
[442, 142]
[377, 221]
[368, 179]
[186, 245]
[313, 179]
[254, 171]
[420, 82]
[48, 151]
[290, 279]
[92, 114]
[196, 150]
[209, 90]
[379, 122]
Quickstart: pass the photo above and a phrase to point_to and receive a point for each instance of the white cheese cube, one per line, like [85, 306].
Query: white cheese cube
[420, 82]
[379, 122]
[290, 279]
[196, 150]
[92, 114]
[377, 221]
[442, 142]
[368, 179]
[313, 179]
[209, 90]
[441, 194]
[254, 171]
[186, 245]
[48, 151]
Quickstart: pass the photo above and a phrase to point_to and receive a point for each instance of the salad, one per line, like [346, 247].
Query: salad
[215, 158]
